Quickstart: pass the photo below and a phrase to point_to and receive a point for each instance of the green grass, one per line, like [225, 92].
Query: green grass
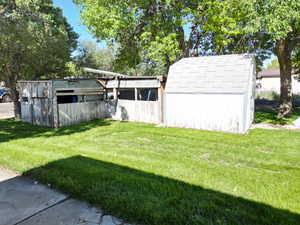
[270, 116]
[164, 176]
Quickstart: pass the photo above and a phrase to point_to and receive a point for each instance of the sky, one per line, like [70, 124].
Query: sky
[71, 12]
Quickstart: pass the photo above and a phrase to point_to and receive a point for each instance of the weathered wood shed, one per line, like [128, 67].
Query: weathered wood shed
[56, 103]
[137, 99]
[211, 93]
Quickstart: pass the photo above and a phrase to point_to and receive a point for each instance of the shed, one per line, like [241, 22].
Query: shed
[136, 98]
[211, 93]
[56, 103]
[62, 102]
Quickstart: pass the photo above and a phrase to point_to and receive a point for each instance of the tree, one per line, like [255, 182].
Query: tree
[168, 30]
[165, 31]
[93, 56]
[274, 25]
[281, 21]
[35, 41]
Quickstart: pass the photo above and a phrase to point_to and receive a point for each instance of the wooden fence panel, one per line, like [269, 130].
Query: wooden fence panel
[80, 112]
[138, 111]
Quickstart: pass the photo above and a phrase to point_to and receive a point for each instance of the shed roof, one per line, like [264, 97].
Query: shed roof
[211, 74]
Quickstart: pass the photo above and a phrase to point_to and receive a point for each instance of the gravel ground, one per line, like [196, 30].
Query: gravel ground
[6, 110]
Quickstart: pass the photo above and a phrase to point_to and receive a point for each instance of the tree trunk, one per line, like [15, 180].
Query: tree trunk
[17, 105]
[11, 83]
[284, 59]
[182, 43]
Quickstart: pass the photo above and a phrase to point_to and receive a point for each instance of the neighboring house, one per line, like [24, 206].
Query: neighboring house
[268, 80]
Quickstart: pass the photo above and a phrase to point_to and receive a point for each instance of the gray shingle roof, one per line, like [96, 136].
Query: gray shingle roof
[271, 73]
[211, 74]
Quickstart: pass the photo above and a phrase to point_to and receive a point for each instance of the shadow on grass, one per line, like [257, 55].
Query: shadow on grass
[270, 116]
[266, 112]
[11, 129]
[150, 199]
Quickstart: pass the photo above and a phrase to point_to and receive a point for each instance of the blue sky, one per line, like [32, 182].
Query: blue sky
[72, 13]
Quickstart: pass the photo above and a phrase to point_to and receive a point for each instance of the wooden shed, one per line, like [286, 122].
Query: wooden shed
[56, 103]
[211, 93]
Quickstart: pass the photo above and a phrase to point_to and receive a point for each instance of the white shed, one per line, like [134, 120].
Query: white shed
[211, 93]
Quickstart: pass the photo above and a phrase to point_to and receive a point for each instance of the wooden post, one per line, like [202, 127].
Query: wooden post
[135, 94]
[161, 104]
[115, 93]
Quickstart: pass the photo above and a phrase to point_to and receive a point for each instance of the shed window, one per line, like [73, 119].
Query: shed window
[127, 94]
[110, 93]
[24, 99]
[148, 94]
[67, 99]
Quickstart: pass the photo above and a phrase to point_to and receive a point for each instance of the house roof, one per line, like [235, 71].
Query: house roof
[211, 74]
[268, 73]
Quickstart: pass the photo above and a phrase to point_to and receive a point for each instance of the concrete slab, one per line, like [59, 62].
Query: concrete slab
[24, 202]
[6, 174]
[69, 212]
[21, 197]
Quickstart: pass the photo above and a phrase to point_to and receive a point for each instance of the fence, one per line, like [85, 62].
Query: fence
[124, 110]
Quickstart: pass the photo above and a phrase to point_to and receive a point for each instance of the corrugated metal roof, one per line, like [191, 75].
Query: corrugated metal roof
[211, 74]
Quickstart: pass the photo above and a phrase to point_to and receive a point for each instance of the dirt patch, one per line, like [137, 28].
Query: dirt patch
[270, 126]
[205, 156]
[144, 139]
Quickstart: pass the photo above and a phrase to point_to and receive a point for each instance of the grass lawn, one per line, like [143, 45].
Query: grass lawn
[270, 116]
[164, 176]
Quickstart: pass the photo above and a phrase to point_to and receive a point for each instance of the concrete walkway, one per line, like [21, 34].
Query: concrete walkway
[25, 202]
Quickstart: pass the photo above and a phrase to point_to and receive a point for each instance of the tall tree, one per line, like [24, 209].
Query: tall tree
[165, 30]
[35, 41]
[89, 54]
[280, 20]
[268, 27]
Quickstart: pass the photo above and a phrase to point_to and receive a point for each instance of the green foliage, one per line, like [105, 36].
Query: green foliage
[163, 30]
[91, 55]
[279, 19]
[270, 95]
[296, 61]
[270, 116]
[35, 40]
[73, 70]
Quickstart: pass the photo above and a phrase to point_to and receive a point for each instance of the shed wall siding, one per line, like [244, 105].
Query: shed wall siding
[220, 112]
[38, 109]
[73, 113]
[136, 111]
